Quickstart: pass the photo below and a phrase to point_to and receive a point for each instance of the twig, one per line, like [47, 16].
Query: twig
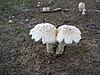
[64, 14]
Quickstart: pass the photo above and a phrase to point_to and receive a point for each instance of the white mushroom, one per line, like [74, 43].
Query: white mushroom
[81, 7]
[48, 9]
[38, 4]
[10, 21]
[46, 32]
[44, 9]
[67, 35]
[83, 12]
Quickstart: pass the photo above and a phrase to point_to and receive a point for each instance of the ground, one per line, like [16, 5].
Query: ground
[20, 55]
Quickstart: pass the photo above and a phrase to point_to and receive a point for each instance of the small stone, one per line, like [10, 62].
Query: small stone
[57, 9]
[10, 21]
[27, 20]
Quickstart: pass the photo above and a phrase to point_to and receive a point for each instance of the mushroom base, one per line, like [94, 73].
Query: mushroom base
[60, 48]
[49, 48]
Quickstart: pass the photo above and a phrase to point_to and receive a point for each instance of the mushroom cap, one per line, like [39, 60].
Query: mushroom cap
[48, 8]
[44, 31]
[81, 5]
[68, 34]
[44, 9]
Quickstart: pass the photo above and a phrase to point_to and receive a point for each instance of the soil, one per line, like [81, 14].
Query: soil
[20, 55]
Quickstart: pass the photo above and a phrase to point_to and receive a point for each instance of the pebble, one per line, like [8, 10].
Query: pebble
[10, 21]
[27, 20]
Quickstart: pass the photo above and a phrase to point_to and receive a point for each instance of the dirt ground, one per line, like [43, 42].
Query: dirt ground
[20, 55]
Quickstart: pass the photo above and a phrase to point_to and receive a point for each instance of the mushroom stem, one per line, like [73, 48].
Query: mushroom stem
[49, 47]
[60, 48]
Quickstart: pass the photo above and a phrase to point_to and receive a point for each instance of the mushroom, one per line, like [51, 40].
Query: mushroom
[81, 7]
[67, 35]
[10, 21]
[38, 4]
[45, 32]
[83, 12]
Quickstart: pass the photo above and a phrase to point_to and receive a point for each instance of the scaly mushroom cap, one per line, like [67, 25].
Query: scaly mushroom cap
[68, 34]
[81, 6]
[44, 31]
